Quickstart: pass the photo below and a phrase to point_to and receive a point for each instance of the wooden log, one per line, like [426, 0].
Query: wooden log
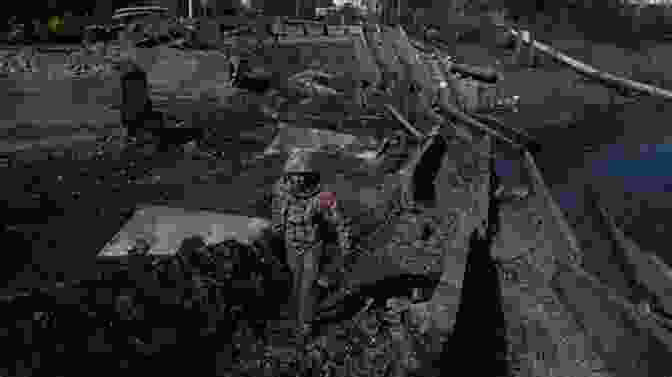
[485, 74]
[413, 131]
[605, 78]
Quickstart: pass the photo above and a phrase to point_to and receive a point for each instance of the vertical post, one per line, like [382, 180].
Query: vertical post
[527, 39]
[191, 8]
[517, 55]
[398, 22]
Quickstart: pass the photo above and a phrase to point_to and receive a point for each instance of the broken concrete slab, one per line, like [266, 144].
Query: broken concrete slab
[164, 228]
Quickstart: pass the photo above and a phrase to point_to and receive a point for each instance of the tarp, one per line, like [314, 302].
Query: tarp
[165, 228]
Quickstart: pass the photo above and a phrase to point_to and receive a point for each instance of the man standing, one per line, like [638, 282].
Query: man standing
[300, 211]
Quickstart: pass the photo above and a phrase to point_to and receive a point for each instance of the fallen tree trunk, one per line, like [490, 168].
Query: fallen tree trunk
[605, 78]
[485, 74]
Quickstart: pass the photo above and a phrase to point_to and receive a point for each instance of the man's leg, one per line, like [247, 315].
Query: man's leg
[309, 272]
[293, 263]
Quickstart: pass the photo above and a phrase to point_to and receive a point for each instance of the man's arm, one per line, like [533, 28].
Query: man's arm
[277, 205]
[331, 211]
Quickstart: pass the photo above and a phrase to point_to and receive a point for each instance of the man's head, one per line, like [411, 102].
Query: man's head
[300, 172]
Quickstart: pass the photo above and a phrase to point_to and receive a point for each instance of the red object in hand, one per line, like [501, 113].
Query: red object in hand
[327, 200]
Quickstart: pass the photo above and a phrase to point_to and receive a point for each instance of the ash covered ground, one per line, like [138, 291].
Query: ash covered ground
[62, 205]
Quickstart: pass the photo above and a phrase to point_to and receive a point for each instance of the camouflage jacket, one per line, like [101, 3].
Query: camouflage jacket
[299, 218]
